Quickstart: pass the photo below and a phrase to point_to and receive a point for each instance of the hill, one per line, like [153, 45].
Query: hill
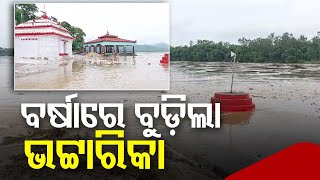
[158, 47]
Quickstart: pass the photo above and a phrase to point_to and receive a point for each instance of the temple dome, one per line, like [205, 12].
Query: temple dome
[109, 38]
[42, 25]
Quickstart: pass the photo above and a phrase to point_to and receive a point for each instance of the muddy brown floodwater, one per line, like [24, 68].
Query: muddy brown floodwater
[79, 73]
[287, 99]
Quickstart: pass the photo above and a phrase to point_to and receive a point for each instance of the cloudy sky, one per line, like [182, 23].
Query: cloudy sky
[147, 23]
[217, 20]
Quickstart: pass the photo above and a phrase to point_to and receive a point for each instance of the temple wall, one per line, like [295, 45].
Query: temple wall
[42, 46]
[24, 47]
[65, 46]
[48, 46]
[69, 47]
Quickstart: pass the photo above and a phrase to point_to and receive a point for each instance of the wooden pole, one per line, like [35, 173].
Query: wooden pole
[233, 70]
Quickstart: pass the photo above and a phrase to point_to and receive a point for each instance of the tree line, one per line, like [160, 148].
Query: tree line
[26, 12]
[6, 51]
[285, 48]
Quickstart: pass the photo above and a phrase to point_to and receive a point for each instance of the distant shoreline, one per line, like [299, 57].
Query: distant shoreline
[6, 51]
[307, 62]
[285, 48]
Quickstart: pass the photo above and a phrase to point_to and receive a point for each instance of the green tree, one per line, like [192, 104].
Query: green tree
[77, 33]
[285, 48]
[25, 12]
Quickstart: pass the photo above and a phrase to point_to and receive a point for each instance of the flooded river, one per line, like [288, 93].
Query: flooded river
[139, 72]
[287, 99]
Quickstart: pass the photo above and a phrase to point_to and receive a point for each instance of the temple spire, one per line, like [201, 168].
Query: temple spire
[44, 15]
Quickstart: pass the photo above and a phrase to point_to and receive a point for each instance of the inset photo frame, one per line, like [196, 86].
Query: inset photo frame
[91, 46]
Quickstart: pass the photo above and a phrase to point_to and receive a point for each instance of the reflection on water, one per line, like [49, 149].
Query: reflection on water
[286, 96]
[129, 72]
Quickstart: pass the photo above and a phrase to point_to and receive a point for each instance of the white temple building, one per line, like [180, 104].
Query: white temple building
[42, 39]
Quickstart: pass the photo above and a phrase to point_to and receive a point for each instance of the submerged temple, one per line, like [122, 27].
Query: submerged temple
[108, 44]
[42, 38]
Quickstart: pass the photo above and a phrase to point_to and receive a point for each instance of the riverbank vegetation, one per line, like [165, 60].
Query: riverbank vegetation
[285, 48]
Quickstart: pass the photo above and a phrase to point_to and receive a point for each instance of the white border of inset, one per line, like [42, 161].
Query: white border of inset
[103, 2]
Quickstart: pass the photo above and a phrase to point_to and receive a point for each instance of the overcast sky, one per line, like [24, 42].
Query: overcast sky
[148, 23]
[217, 20]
